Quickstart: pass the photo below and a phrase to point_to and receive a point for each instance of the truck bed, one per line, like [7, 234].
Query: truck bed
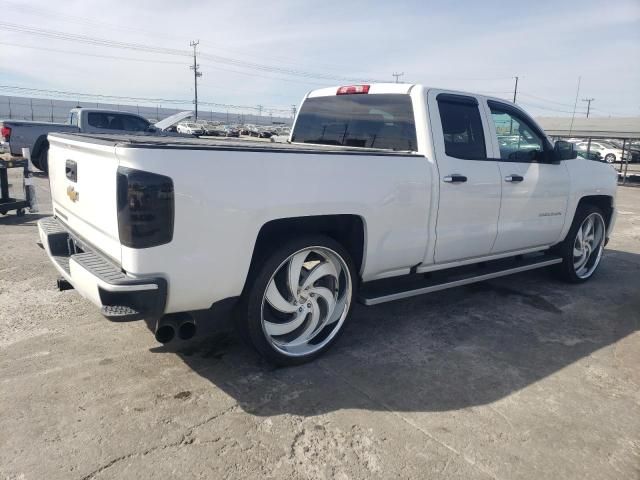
[226, 144]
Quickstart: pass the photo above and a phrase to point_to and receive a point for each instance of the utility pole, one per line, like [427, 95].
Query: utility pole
[294, 110]
[397, 75]
[515, 90]
[260, 107]
[588, 100]
[196, 73]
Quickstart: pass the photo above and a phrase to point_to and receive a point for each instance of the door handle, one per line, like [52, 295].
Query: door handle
[71, 170]
[513, 178]
[455, 178]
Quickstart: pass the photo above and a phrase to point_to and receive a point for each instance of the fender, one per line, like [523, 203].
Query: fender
[589, 178]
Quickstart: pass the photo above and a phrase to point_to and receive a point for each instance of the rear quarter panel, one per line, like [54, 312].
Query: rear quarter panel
[223, 198]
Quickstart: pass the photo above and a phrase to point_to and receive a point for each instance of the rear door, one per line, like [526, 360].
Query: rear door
[83, 176]
[535, 191]
[470, 186]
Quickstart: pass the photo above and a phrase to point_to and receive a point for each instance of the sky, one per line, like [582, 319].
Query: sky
[271, 53]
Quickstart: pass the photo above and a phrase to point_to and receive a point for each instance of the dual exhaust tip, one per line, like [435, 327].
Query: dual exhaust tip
[182, 325]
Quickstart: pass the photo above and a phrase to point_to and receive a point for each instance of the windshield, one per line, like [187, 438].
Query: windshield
[371, 121]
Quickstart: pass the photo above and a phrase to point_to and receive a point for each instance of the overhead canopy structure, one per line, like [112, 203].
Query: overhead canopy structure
[618, 127]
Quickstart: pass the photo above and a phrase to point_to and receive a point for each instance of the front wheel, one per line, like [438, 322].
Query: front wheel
[610, 158]
[299, 300]
[582, 250]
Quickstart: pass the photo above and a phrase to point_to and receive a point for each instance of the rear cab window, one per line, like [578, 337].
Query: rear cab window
[384, 121]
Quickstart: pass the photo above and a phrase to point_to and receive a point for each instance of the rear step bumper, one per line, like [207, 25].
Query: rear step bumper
[119, 296]
[388, 290]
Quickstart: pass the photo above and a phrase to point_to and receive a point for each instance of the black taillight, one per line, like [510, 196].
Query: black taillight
[145, 208]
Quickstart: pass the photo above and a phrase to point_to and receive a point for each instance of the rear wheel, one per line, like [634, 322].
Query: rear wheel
[299, 300]
[582, 250]
[610, 158]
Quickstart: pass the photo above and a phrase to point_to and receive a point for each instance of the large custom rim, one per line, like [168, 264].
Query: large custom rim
[306, 301]
[588, 245]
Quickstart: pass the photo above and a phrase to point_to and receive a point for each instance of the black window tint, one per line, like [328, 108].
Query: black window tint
[518, 141]
[361, 120]
[462, 129]
[134, 124]
[98, 120]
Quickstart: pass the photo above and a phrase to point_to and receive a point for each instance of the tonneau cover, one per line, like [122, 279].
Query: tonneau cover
[144, 141]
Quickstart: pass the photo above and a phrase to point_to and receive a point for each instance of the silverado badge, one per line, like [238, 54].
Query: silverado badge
[72, 194]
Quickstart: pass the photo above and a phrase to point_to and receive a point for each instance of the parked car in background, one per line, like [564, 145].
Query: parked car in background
[232, 132]
[589, 156]
[390, 211]
[190, 128]
[18, 134]
[609, 152]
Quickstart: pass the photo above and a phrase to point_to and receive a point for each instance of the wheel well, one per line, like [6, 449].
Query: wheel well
[348, 230]
[40, 145]
[603, 202]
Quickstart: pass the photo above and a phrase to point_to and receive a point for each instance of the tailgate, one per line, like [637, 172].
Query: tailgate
[83, 175]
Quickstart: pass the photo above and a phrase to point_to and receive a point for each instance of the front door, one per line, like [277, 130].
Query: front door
[534, 190]
[470, 183]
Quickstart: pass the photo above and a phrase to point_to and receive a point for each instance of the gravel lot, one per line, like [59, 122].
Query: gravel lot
[521, 377]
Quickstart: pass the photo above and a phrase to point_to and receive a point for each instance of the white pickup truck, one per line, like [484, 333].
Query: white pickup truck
[18, 134]
[384, 191]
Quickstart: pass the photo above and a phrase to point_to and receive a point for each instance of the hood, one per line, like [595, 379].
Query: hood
[173, 119]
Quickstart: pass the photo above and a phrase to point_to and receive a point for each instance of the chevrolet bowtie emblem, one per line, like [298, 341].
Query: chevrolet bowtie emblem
[72, 194]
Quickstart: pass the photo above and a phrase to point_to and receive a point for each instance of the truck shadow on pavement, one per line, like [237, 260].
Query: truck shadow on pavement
[459, 348]
[27, 220]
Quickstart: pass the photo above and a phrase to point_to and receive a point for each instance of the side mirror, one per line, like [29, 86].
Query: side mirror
[151, 129]
[564, 151]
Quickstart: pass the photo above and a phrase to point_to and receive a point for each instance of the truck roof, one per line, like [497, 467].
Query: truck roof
[399, 88]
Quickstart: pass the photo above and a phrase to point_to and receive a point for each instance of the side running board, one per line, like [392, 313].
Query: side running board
[390, 289]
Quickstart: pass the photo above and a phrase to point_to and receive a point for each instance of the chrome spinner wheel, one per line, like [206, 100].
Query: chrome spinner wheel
[306, 301]
[588, 245]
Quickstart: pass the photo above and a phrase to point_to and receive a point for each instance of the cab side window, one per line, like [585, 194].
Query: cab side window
[518, 141]
[98, 120]
[462, 127]
[134, 124]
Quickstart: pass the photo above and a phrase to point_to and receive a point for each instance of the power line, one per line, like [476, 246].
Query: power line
[172, 51]
[158, 61]
[573, 116]
[154, 101]
[65, 17]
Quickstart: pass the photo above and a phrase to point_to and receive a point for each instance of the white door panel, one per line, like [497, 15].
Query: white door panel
[470, 185]
[468, 212]
[533, 210]
[534, 191]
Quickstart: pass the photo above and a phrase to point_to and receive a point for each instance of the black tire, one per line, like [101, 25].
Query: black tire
[249, 313]
[36, 162]
[44, 160]
[41, 160]
[610, 158]
[565, 271]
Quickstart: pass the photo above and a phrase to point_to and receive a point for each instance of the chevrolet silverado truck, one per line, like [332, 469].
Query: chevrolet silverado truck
[18, 134]
[384, 191]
